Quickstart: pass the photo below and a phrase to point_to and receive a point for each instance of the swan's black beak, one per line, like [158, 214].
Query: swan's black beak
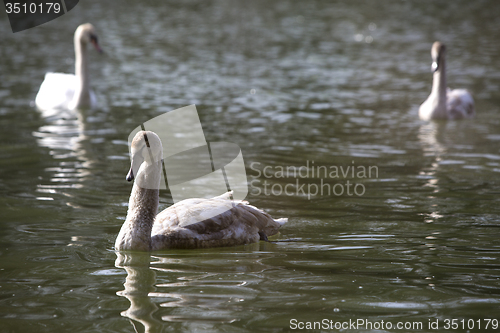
[130, 175]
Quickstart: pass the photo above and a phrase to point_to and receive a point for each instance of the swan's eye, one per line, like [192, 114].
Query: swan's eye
[93, 39]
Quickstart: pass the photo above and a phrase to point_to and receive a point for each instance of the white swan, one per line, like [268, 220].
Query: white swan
[230, 222]
[444, 103]
[70, 91]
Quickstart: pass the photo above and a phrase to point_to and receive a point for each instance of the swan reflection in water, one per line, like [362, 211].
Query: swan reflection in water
[63, 134]
[71, 138]
[431, 137]
[195, 292]
[139, 283]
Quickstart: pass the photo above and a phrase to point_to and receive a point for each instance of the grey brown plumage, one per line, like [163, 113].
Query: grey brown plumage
[145, 230]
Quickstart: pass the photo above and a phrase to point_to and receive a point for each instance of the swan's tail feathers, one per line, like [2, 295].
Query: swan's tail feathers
[281, 221]
[273, 225]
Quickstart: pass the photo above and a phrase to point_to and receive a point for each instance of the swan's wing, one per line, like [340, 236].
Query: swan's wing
[56, 91]
[459, 103]
[191, 212]
[242, 219]
[206, 216]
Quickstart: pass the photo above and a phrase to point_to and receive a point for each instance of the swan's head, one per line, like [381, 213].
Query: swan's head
[86, 34]
[145, 148]
[438, 52]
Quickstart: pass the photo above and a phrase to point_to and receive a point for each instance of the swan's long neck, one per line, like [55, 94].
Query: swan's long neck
[439, 90]
[82, 91]
[135, 233]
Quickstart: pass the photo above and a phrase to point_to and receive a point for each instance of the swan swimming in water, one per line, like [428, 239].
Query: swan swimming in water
[444, 103]
[70, 91]
[144, 230]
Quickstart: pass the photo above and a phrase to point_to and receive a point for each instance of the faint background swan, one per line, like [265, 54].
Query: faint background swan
[71, 91]
[213, 222]
[444, 103]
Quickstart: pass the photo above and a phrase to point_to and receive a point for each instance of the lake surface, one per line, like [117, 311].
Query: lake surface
[311, 85]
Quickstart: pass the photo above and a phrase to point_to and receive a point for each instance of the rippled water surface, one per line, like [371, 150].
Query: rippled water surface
[300, 86]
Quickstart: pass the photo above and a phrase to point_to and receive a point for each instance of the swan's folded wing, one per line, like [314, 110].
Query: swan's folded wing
[201, 215]
[242, 218]
[216, 223]
[460, 103]
[56, 91]
[210, 216]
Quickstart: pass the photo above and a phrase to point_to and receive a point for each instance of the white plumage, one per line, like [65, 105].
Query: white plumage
[70, 91]
[444, 103]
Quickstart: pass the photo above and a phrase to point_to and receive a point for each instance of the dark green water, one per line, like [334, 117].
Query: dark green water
[335, 84]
